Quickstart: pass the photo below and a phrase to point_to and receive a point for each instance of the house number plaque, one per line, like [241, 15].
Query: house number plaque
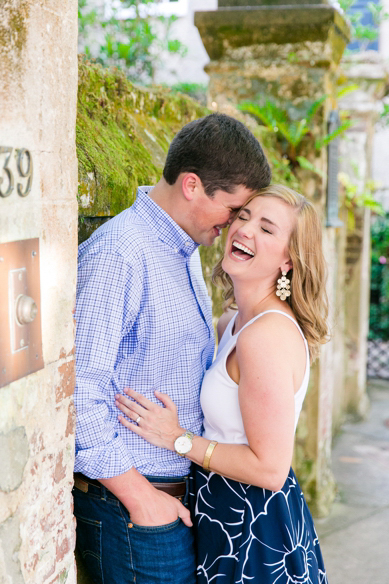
[17, 169]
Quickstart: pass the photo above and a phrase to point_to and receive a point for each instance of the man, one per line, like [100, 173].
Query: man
[144, 321]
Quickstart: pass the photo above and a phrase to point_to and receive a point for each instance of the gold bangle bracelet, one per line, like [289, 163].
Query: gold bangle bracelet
[208, 454]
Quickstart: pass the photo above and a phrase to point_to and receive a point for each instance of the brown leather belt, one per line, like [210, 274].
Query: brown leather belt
[176, 489]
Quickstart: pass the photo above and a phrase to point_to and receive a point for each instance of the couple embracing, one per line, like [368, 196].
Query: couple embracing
[183, 461]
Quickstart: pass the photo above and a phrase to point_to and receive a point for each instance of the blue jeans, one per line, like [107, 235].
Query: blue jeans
[117, 551]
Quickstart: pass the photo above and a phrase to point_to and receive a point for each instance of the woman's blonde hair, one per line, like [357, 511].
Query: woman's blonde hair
[308, 299]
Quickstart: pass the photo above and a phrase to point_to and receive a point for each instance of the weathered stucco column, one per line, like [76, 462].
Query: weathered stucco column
[38, 247]
[290, 54]
[368, 72]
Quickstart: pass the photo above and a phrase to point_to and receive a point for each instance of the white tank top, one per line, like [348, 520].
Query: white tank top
[219, 393]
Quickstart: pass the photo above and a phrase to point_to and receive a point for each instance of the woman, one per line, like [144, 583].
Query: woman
[251, 520]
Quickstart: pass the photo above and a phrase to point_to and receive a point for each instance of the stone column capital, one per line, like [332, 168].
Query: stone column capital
[232, 27]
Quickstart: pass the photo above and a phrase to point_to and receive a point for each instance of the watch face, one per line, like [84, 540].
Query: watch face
[183, 444]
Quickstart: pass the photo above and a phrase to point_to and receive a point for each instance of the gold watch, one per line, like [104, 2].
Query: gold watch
[183, 444]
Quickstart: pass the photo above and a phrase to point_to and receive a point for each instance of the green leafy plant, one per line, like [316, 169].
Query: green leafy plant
[380, 238]
[379, 304]
[197, 91]
[346, 89]
[305, 163]
[292, 133]
[86, 17]
[356, 198]
[277, 120]
[384, 116]
[129, 37]
[325, 140]
[364, 33]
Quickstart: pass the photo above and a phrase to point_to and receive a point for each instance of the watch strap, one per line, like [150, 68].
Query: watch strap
[186, 434]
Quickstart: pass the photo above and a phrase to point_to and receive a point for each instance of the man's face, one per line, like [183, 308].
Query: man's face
[210, 215]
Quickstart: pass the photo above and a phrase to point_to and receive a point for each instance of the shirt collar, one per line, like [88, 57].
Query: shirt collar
[162, 224]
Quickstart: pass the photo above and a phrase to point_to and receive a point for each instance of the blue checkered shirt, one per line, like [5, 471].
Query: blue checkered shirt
[143, 321]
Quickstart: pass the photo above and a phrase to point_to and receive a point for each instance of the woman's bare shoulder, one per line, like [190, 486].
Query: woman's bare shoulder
[273, 335]
[272, 327]
[223, 322]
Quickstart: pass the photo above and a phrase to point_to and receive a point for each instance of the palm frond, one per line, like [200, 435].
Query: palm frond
[325, 140]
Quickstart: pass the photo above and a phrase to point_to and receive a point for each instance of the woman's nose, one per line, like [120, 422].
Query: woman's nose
[245, 230]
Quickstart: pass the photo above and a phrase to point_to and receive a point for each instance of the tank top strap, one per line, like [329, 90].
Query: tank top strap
[229, 340]
[307, 367]
[267, 312]
[230, 326]
[227, 335]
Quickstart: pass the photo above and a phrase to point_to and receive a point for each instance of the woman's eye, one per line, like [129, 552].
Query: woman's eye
[266, 231]
[242, 217]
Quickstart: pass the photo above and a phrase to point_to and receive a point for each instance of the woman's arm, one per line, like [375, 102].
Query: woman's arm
[267, 357]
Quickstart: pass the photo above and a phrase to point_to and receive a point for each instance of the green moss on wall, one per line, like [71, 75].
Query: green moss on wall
[123, 133]
[13, 27]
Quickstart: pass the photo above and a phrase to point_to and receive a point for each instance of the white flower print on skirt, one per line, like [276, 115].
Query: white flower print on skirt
[246, 534]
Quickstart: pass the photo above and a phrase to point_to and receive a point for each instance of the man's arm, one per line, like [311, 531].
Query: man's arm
[101, 309]
[109, 294]
[146, 505]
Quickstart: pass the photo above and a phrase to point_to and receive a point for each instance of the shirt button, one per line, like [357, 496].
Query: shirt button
[187, 243]
[176, 249]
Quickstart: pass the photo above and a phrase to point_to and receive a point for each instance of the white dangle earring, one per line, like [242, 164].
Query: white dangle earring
[283, 287]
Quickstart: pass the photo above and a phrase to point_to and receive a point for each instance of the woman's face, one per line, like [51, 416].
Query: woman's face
[257, 242]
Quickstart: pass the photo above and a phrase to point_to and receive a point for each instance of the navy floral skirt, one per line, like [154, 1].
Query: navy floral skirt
[246, 534]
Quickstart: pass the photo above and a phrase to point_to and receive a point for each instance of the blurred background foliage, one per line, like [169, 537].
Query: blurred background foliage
[379, 286]
[128, 34]
[364, 21]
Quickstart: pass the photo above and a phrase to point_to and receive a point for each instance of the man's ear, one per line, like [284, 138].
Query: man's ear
[190, 184]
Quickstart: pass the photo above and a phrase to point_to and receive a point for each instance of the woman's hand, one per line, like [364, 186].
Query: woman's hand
[156, 424]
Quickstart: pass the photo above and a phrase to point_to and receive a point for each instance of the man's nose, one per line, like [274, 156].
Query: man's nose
[231, 218]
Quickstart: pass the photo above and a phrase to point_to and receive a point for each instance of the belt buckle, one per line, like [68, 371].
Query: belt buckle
[81, 485]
